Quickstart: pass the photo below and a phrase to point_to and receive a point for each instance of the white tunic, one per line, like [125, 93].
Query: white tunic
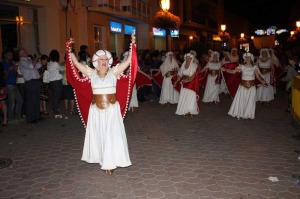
[243, 104]
[105, 139]
[168, 93]
[187, 99]
[265, 94]
[212, 90]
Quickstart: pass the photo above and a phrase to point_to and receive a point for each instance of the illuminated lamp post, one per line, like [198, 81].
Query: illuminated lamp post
[225, 36]
[166, 20]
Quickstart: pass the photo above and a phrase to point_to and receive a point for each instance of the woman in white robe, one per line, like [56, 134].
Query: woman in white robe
[187, 104]
[105, 138]
[212, 88]
[244, 102]
[265, 64]
[168, 70]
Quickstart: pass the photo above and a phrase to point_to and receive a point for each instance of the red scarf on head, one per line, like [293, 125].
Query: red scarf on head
[83, 90]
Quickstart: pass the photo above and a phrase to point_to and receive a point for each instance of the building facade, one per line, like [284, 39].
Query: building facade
[43, 25]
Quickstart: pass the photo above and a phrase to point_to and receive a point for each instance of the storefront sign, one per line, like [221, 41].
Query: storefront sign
[174, 33]
[159, 32]
[115, 26]
[129, 29]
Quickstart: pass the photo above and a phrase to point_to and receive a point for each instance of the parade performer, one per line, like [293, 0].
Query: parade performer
[168, 69]
[230, 82]
[102, 95]
[244, 102]
[188, 87]
[265, 93]
[212, 88]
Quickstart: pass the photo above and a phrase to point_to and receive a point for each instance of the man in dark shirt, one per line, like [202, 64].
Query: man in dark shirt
[14, 99]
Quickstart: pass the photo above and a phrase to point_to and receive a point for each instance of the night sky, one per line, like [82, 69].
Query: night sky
[262, 13]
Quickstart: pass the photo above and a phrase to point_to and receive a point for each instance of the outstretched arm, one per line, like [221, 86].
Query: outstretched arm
[122, 66]
[82, 68]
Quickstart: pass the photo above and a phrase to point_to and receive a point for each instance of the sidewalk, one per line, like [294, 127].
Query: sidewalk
[209, 156]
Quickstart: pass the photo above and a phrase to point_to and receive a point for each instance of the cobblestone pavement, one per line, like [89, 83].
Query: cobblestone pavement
[209, 156]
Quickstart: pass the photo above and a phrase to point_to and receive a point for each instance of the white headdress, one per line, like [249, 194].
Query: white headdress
[189, 55]
[193, 53]
[264, 50]
[169, 53]
[274, 58]
[213, 54]
[248, 55]
[100, 53]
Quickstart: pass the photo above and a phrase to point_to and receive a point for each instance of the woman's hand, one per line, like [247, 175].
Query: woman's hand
[133, 38]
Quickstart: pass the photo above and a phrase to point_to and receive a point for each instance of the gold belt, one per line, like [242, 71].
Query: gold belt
[102, 101]
[248, 83]
[264, 70]
[213, 72]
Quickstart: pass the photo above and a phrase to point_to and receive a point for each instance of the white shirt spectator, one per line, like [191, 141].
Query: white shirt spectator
[55, 71]
[28, 70]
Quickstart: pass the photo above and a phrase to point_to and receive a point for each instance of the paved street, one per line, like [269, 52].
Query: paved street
[209, 156]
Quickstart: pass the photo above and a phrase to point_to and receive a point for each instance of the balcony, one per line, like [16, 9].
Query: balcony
[135, 8]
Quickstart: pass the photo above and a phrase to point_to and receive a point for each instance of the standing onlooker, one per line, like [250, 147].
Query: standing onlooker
[21, 87]
[14, 99]
[83, 55]
[55, 81]
[3, 95]
[29, 70]
[44, 85]
[67, 93]
[290, 73]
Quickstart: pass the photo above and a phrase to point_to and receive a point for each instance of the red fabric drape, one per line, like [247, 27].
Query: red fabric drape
[232, 80]
[157, 77]
[142, 79]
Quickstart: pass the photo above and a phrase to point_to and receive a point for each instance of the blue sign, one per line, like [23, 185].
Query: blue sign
[159, 32]
[129, 29]
[115, 26]
[174, 33]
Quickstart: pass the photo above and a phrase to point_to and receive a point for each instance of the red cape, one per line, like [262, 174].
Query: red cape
[142, 79]
[83, 90]
[157, 77]
[232, 80]
[192, 85]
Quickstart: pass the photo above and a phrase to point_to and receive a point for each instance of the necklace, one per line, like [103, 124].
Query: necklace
[101, 76]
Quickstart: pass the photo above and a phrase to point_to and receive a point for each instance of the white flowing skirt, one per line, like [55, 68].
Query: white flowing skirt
[105, 139]
[223, 88]
[168, 93]
[243, 105]
[265, 94]
[187, 102]
[212, 90]
[134, 99]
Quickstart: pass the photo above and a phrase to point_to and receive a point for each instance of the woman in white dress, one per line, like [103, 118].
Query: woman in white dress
[225, 60]
[168, 70]
[212, 88]
[105, 139]
[265, 64]
[244, 102]
[187, 104]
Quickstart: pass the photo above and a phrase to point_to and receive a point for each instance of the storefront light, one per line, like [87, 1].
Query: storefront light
[191, 37]
[298, 24]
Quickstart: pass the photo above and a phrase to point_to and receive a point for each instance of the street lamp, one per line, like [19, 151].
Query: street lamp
[165, 5]
[252, 37]
[292, 33]
[298, 24]
[223, 27]
[242, 35]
